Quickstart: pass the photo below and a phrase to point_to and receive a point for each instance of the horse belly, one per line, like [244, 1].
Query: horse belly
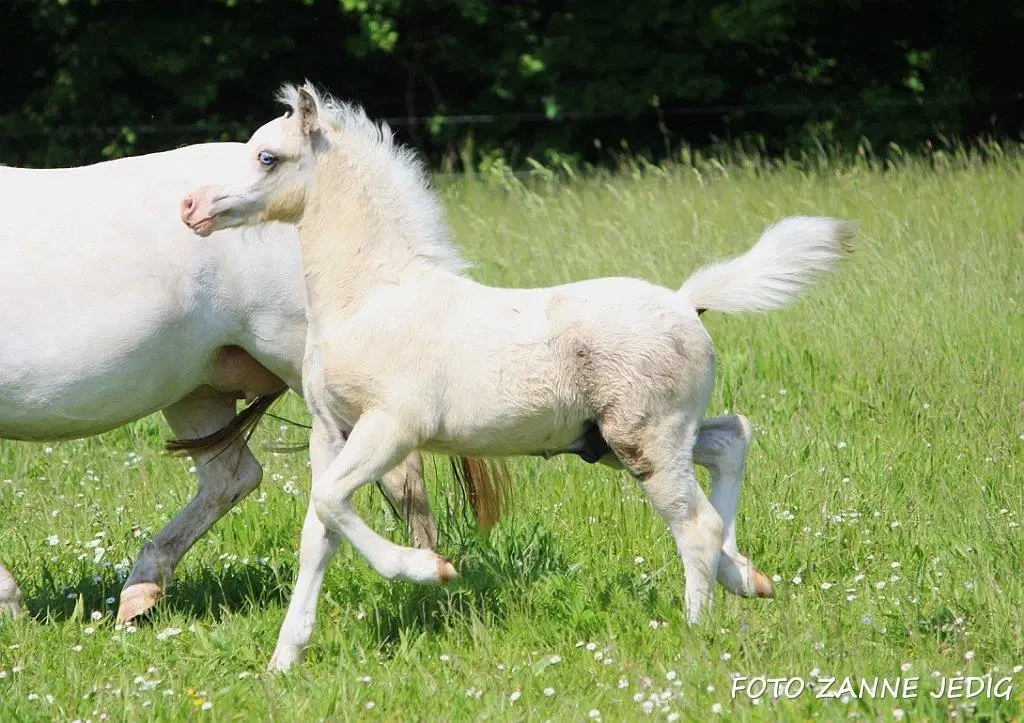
[65, 401]
[497, 432]
[65, 375]
[235, 371]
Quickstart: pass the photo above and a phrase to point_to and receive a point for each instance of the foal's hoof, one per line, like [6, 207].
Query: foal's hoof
[10, 608]
[446, 571]
[762, 585]
[137, 600]
[283, 661]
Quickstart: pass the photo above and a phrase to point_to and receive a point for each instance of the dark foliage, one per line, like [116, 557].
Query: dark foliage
[92, 79]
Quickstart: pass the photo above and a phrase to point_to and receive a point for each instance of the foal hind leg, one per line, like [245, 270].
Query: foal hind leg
[225, 477]
[659, 455]
[10, 595]
[721, 447]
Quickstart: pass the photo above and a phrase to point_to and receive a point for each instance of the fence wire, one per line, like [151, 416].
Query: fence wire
[479, 119]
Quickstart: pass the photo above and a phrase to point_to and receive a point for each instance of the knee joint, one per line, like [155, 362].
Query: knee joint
[327, 504]
[723, 442]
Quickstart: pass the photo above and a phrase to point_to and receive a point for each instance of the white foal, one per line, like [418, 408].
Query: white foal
[409, 353]
[111, 310]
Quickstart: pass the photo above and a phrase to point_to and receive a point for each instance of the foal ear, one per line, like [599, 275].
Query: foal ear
[309, 116]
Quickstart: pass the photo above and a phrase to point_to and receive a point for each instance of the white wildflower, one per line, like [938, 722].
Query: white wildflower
[168, 633]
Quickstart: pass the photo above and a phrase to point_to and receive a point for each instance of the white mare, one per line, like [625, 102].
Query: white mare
[111, 310]
[409, 353]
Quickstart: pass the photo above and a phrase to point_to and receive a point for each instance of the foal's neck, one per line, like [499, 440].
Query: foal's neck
[349, 244]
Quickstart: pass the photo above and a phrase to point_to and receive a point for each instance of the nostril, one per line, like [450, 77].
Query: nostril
[188, 204]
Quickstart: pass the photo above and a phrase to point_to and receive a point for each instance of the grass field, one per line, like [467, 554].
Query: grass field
[885, 489]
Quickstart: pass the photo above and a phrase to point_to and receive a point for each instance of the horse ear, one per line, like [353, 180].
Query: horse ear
[309, 116]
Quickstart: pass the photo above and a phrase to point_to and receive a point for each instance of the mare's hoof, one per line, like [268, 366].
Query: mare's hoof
[137, 600]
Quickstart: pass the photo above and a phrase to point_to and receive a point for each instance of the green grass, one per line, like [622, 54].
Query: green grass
[885, 488]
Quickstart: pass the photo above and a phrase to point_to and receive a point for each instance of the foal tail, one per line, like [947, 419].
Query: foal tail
[487, 486]
[789, 256]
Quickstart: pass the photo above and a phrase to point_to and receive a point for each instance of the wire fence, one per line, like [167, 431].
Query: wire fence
[479, 119]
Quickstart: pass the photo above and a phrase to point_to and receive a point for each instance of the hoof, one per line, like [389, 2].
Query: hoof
[10, 608]
[446, 571]
[278, 665]
[137, 600]
[284, 658]
[762, 585]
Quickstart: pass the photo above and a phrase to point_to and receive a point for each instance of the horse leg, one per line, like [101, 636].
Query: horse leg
[674, 491]
[225, 475]
[405, 489]
[377, 442]
[659, 453]
[371, 449]
[10, 595]
[721, 447]
[316, 548]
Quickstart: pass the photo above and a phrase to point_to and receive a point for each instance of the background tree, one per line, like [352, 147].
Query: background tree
[92, 79]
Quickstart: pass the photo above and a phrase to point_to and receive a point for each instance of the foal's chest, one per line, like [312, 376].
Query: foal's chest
[335, 385]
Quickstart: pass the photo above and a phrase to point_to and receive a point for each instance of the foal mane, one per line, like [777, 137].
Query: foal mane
[391, 173]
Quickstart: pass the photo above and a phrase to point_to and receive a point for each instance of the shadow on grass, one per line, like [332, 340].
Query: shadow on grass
[205, 594]
[498, 569]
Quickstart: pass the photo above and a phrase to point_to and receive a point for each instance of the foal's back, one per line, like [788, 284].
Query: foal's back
[525, 370]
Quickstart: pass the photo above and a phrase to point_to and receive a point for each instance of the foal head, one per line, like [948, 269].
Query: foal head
[324, 155]
[275, 183]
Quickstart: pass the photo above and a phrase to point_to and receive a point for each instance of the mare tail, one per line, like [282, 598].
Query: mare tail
[244, 424]
[789, 256]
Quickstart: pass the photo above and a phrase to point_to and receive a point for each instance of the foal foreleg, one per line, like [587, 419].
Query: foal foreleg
[225, 477]
[376, 443]
[315, 551]
[721, 447]
[10, 595]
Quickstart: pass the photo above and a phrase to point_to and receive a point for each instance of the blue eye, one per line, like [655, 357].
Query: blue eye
[266, 159]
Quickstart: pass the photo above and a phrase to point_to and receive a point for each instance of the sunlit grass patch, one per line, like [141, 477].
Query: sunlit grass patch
[884, 490]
